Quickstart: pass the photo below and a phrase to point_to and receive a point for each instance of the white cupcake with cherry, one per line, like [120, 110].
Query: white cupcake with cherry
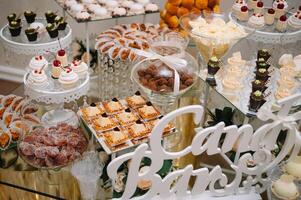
[38, 78]
[79, 67]
[294, 20]
[68, 78]
[37, 62]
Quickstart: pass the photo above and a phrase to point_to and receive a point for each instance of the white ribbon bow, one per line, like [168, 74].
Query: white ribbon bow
[172, 61]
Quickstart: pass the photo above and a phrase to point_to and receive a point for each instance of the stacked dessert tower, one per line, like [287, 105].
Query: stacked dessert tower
[66, 74]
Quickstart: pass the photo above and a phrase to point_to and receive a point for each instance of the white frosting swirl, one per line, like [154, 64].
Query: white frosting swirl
[256, 20]
[238, 4]
[79, 67]
[37, 78]
[276, 2]
[37, 62]
[101, 11]
[294, 20]
[151, 7]
[68, 76]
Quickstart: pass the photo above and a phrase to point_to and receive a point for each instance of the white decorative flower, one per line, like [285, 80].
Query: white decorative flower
[119, 184]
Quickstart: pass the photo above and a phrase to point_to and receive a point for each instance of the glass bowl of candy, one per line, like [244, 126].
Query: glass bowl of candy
[164, 81]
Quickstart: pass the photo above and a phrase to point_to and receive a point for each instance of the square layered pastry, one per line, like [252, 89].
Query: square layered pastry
[148, 111]
[138, 130]
[135, 101]
[152, 123]
[127, 117]
[115, 137]
[104, 122]
[92, 111]
[113, 106]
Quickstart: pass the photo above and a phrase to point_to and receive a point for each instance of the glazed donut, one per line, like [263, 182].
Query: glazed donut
[175, 2]
[182, 11]
[188, 4]
[171, 9]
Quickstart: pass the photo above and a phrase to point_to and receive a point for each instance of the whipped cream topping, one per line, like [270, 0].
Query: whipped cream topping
[294, 167]
[68, 76]
[83, 15]
[79, 66]
[100, 11]
[282, 93]
[37, 77]
[238, 4]
[295, 20]
[236, 59]
[151, 7]
[37, 62]
[217, 29]
[276, 2]
[137, 8]
[119, 11]
[256, 20]
[286, 60]
[231, 83]
[285, 188]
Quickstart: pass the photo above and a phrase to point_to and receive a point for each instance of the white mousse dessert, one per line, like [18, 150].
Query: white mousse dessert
[37, 78]
[37, 62]
[79, 67]
[68, 78]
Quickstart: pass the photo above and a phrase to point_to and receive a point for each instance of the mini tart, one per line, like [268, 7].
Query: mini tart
[151, 124]
[138, 130]
[104, 122]
[92, 111]
[6, 101]
[113, 106]
[127, 117]
[115, 137]
[16, 103]
[15, 133]
[2, 110]
[135, 101]
[4, 140]
[148, 112]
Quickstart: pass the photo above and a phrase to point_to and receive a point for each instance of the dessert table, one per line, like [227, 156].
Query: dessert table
[26, 181]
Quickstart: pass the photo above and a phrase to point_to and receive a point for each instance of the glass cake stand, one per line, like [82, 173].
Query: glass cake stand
[54, 96]
[44, 44]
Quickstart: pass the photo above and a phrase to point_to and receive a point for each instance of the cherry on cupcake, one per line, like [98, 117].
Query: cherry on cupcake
[61, 52]
[260, 4]
[244, 9]
[280, 6]
[56, 63]
[283, 18]
[271, 11]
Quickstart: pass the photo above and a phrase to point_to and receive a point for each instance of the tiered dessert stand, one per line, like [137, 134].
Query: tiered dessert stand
[57, 96]
[86, 22]
[44, 44]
